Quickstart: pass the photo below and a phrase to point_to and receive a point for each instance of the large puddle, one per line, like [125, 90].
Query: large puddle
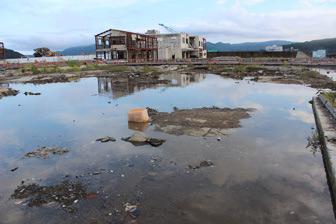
[260, 172]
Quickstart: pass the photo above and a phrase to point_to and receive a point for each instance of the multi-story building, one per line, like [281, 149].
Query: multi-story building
[2, 51]
[319, 54]
[274, 48]
[126, 46]
[179, 46]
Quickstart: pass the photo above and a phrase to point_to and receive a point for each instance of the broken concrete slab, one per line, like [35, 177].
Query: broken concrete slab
[326, 127]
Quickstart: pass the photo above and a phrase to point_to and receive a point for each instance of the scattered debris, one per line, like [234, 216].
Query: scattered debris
[106, 139]
[132, 210]
[91, 195]
[65, 194]
[205, 163]
[45, 151]
[31, 94]
[8, 92]
[53, 78]
[199, 122]
[14, 169]
[273, 74]
[139, 139]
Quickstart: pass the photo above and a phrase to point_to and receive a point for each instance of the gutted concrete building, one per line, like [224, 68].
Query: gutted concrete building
[118, 45]
[179, 46]
[2, 51]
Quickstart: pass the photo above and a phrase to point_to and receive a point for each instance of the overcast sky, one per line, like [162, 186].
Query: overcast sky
[59, 24]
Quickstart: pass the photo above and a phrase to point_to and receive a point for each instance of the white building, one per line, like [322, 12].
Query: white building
[274, 48]
[180, 46]
[320, 54]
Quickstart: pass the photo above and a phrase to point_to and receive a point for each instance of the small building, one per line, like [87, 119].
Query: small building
[320, 54]
[179, 46]
[119, 45]
[274, 48]
[2, 51]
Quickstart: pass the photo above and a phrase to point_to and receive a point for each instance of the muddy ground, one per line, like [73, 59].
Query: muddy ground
[65, 194]
[199, 122]
[8, 92]
[150, 76]
[272, 74]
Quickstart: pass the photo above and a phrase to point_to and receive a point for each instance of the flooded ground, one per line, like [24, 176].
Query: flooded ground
[260, 171]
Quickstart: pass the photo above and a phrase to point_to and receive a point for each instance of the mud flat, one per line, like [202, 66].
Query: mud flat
[150, 74]
[199, 121]
[272, 74]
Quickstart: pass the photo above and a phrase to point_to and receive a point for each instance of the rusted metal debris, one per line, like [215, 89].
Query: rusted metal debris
[2, 50]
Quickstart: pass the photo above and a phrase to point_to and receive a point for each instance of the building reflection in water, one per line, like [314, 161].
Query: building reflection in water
[120, 87]
[4, 85]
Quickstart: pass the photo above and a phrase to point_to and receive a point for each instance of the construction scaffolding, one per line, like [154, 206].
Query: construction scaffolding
[126, 46]
[2, 51]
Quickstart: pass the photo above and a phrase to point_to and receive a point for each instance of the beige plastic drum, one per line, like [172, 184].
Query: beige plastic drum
[138, 115]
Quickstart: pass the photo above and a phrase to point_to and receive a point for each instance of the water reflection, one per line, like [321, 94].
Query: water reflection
[138, 126]
[262, 171]
[123, 86]
[4, 85]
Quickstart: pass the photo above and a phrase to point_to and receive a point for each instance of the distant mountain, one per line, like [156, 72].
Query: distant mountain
[309, 46]
[80, 50]
[10, 54]
[248, 46]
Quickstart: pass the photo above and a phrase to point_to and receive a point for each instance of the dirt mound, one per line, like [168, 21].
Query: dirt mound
[199, 121]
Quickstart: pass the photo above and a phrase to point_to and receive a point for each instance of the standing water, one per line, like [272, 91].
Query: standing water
[260, 172]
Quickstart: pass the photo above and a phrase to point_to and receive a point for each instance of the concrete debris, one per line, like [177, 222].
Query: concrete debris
[139, 139]
[106, 139]
[132, 210]
[66, 194]
[45, 151]
[205, 163]
[31, 94]
[14, 169]
[8, 92]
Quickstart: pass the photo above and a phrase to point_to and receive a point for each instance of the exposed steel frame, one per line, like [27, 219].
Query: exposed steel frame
[140, 47]
[2, 50]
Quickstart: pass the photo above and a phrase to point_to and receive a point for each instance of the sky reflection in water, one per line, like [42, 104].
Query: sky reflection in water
[263, 172]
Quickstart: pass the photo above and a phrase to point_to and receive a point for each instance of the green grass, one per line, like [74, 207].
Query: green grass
[115, 68]
[330, 97]
[148, 69]
[73, 63]
[91, 67]
[34, 69]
